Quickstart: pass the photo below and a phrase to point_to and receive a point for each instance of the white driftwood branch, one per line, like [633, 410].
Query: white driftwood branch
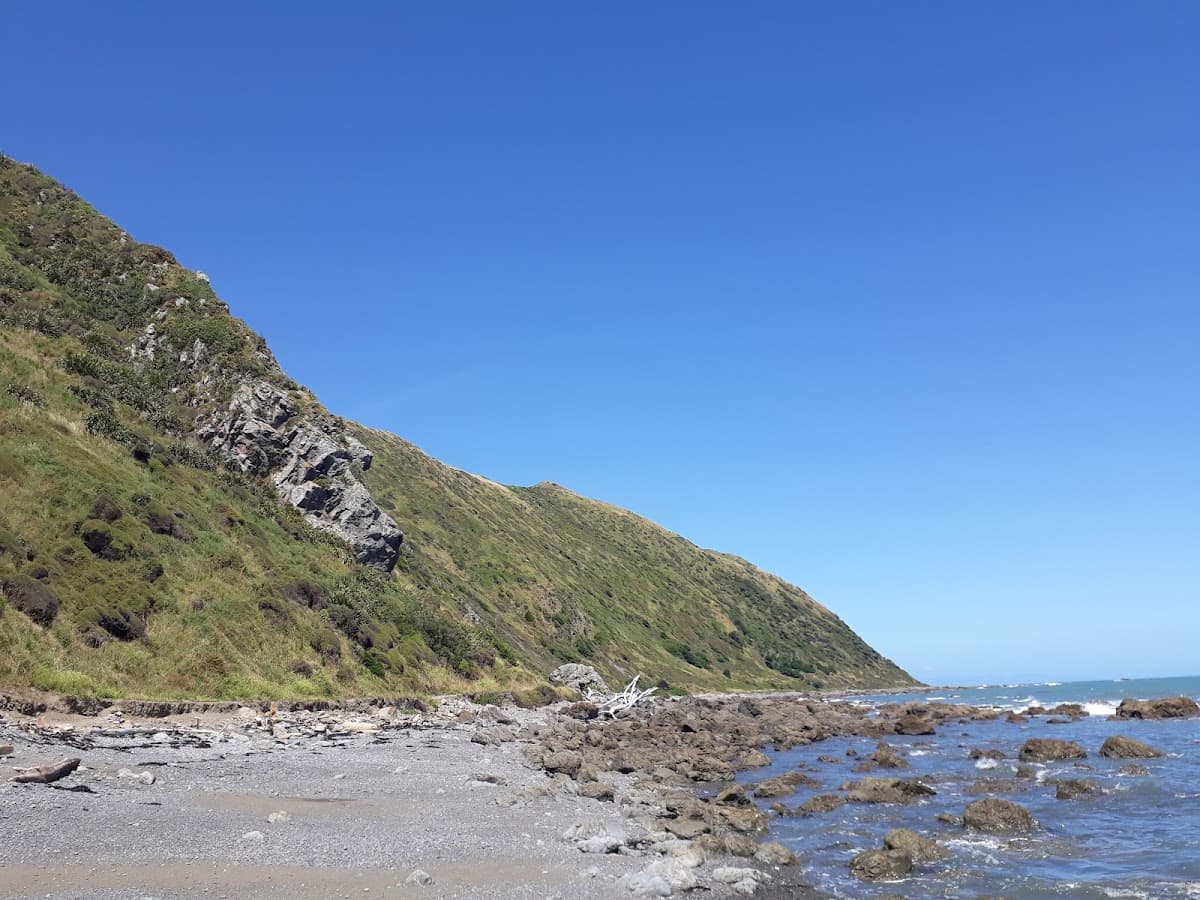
[631, 696]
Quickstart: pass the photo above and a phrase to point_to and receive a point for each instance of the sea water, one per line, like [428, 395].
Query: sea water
[1140, 837]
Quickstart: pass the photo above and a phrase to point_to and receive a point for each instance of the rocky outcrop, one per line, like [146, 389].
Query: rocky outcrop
[312, 464]
[878, 865]
[1050, 750]
[1121, 747]
[1164, 708]
[999, 816]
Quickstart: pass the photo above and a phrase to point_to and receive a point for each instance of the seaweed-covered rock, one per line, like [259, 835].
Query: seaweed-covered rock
[1121, 747]
[995, 814]
[1162, 708]
[1050, 750]
[877, 865]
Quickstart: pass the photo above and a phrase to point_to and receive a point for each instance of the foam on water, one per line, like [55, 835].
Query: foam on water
[1105, 708]
[986, 763]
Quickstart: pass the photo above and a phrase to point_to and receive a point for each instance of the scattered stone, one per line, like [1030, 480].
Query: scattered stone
[919, 848]
[735, 874]
[1119, 747]
[1134, 770]
[7, 749]
[1050, 750]
[1075, 789]
[597, 790]
[877, 865]
[488, 778]
[279, 818]
[886, 790]
[564, 761]
[977, 753]
[821, 803]
[738, 845]
[782, 786]
[774, 854]
[254, 837]
[913, 725]
[419, 877]
[1163, 708]
[995, 814]
[642, 884]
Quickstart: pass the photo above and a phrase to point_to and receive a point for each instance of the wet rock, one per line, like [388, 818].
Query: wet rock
[1050, 750]
[753, 759]
[977, 753]
[747, 819]
[998, 816]
[1075, 789]
[1163, 708]
[877, 865]
[947, 819]
[918, 847]
[1120, 747]
[992, 786]
[774, 854]
[822, 803]
[1134, 770]
[913, 725]
[886, 790]
[781, 786]
[886, 757]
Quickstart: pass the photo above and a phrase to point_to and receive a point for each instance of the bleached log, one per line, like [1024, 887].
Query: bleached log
[47, 774]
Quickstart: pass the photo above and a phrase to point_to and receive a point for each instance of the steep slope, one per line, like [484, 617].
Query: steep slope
[180, 518]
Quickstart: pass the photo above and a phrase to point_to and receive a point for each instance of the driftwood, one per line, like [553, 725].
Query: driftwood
[626, 699]
[47, 774]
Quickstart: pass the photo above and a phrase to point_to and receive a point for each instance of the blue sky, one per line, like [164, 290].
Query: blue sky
[898, 301]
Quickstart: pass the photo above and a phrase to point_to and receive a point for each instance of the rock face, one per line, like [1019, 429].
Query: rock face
[312, 464]
[997, 815]
[1049, 750]
[1119, 747]
[1164, 708]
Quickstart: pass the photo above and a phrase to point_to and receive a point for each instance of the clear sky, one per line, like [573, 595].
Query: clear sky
[898, 300]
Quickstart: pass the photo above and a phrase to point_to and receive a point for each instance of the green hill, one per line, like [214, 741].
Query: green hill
[181, 519]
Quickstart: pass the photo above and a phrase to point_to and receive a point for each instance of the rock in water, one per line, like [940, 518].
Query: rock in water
[918, 847]
[1000, 816]
[1120, 747]
[913, 725]
[1075, 788]
[886, 790]
[874, 865]
[1164, 708]
[1050, 750]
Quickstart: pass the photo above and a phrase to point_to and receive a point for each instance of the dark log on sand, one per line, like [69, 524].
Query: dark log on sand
[47, 774]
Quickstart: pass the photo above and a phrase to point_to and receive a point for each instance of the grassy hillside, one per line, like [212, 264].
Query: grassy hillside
[134, 562]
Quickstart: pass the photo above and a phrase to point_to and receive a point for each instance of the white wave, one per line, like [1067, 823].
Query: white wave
[1100, 708]
[918, 752]
[986, 763]
[1051, 684]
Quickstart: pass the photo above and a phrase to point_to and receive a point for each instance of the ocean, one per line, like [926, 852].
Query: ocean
[1139, 837]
